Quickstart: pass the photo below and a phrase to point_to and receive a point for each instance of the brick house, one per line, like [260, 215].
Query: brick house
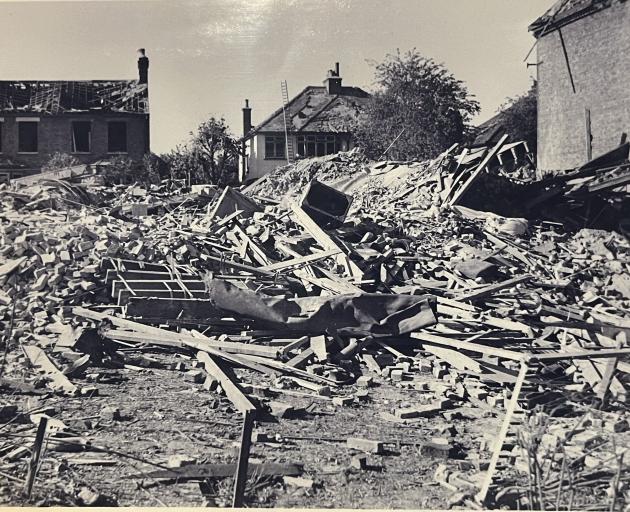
[91, 120]
[583, 78]
[319, 122]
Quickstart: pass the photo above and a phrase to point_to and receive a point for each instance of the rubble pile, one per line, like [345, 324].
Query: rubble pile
[384, 319]
[290, 180]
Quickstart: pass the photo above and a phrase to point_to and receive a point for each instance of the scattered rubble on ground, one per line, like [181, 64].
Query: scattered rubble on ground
[389, 337]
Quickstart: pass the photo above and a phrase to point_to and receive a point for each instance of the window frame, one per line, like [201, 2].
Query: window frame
[20, 123]
[117, 152]
[279, 143]
[315, 141]
[74, 149]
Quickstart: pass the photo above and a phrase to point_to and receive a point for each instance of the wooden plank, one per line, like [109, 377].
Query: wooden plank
[240, 478]
[508, 247]
[475, 174]
[161, 335]
[602, 387]
[455, 358]
[294, 345]
[203, 471]
[238, 266]
[40, 360]
[179, 339]
[36, 453]
[301, 261]
[489, 290]
[582, 354]
[481, 496]
[325, 240]
[232, 201]
[232, 391]
[473, 347]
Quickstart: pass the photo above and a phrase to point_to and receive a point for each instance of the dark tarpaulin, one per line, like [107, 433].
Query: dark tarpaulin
[350, 314]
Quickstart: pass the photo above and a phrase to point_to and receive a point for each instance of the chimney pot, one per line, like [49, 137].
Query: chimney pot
[333, 81]
[143, 67]
[247, 118]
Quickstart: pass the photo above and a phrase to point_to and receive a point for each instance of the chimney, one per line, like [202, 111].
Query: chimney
[333, 81]
[143, 67]
[247, 118]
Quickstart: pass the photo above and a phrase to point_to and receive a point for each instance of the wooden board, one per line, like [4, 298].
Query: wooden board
[40, 360]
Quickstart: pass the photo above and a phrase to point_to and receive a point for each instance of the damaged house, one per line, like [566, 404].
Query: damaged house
[319, 122]
[583, 75]
[91, 120]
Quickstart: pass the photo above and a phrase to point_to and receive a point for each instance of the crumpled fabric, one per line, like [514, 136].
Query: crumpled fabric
[350, 314]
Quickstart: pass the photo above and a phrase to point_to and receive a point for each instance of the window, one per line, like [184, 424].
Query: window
[316, 145]
[117, 137]
[81, 136]
[1, 136]
[275, 146]
[27, 136]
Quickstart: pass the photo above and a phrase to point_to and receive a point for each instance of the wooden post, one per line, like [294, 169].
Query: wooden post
[481, 496]
[604, 385]
[240, 478]
[35, 456]
[588, 134]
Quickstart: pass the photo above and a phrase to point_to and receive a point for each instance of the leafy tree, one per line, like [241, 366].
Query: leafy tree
[419, 108]
[211, 156]
[60, 161]
[519, 117]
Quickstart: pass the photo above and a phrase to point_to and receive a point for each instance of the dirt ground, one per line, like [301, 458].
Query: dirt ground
[164, 414]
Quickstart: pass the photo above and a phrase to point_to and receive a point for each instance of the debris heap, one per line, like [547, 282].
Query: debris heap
[487, 352]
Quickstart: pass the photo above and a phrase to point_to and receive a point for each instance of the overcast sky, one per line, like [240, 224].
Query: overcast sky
[207, 56]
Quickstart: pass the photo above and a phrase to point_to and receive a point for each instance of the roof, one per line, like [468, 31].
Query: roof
[489, 131]
[564, 12]
[55, 97]
[314, 110]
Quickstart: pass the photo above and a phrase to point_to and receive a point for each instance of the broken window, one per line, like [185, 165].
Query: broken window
[81, 136]
[274, 146]
[316, 145]
[117, 137]
[27, 136]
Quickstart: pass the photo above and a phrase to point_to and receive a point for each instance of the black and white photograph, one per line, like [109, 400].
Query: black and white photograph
[315, 254]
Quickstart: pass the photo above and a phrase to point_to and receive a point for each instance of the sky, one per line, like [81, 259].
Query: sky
[207, 56]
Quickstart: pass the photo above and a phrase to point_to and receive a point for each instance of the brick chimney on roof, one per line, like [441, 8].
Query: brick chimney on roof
[143, 67]
[247, 118]
[333, 81]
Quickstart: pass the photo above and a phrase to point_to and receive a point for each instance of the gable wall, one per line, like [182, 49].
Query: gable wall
[598, 48]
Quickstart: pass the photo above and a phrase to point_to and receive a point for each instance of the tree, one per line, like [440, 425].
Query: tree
[60, 161]
[519, 117]
[419, 108]
[211, 156]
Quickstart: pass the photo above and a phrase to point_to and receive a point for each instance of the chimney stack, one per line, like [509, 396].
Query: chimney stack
[333, 81]
[247, 118]
[143, 67]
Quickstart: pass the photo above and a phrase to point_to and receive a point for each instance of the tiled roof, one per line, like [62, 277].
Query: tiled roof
[314, 110]
[564, 12]
[55, 97]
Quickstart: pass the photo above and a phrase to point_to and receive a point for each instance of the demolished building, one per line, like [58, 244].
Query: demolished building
[90, 120]
[583, 72]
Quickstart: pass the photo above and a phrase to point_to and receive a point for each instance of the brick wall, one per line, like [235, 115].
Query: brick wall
[598, 48]
[55, 135]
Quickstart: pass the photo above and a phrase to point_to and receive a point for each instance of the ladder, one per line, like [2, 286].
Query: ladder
[285, 105]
